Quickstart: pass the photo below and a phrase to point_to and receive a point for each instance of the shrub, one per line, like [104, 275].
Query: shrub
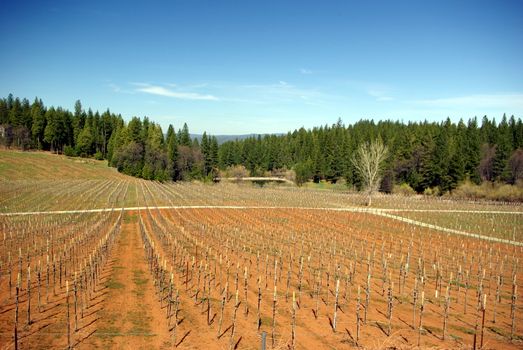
[98, 156]
[303, 172]
[490, 191]
[282, 173]
[404, 189]
[237, 171]
[432, 191]
[161, 175]
[290, 175]
[69, 151]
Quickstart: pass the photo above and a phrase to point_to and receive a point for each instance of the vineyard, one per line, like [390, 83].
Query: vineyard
[91, 258]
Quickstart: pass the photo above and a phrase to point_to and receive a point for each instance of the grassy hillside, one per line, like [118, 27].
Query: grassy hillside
[17, 165]
[45, 181]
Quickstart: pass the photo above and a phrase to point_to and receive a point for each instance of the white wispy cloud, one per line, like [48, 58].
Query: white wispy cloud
[305, 71]
[178, 94]
[277, 92]
[280, 92]
[379, 91]
[504, 101]
[118, 89]
[114, 87]
[380, 94]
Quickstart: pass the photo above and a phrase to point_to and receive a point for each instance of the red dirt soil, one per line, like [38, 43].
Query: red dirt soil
[125, 311]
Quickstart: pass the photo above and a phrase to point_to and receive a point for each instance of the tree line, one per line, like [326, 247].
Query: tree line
[137, 148]
[424, 155]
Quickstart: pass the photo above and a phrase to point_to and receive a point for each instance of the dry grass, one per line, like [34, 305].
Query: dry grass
[490, 191]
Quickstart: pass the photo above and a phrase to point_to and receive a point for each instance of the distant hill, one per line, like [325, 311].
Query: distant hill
[224, 138]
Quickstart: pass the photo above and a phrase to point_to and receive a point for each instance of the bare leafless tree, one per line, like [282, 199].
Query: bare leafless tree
[486, 165]
[368, 161]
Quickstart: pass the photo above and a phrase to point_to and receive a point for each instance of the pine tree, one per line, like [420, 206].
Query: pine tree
[205, 148]
[184, 136]
[172, 153]
[38, 123]
[51, 132]
[155, 159]
[78, 119]
[503, 151]
[85, 143]
[135, 130]
[472, 151]
[456, 170]
[4, 114]
[15, 113]
[213, 155]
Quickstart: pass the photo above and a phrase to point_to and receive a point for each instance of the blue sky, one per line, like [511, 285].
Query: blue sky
[232, 67]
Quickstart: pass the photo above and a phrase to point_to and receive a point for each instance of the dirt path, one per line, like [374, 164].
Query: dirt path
[130, 317]
[449, 230]
[343, 209]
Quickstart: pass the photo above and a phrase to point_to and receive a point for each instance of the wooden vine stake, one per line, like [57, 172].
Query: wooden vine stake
[300, 277]
[233, 329]
[38, 284]
[420, 327]
[415, 299]
[358, 306]
[390, 305]
[29, 295]
[496, 299]
[245, 287]
[466, 291]
[187, 276]
[258, 323]
[446, 313]
[335, 305]
[222, 307]
[209, 301]
[169, 306]
[47, 281]
[176, 308]
[513, 310]
[17, 296]
[10, 273]
[293, 333]
[318, 287]
[68, 315]
[75, 291]
[54, 274]
[483, 309]
[273, 317]
[367, 299]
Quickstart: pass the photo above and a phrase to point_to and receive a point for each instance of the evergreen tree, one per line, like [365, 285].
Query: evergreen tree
[155, 159]
[106, 129]
[503, 151]
[38, 123]
[184, 136]
[421, 154]
[4, 112]
[213, 155]
[51, 129]
[85, 143]
[472, 151]
[205, 148]
[15, 113]
[172, 153]
[135, 130]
